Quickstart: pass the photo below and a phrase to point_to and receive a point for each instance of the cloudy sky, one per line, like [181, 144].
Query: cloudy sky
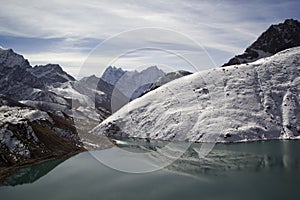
[131, 34]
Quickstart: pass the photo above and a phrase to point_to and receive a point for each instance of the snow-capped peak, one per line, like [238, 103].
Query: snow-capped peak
[131, 82]
[112, 74]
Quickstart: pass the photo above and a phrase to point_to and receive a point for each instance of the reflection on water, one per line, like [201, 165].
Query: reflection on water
[32, 173]
[224, 158]
[258, 170]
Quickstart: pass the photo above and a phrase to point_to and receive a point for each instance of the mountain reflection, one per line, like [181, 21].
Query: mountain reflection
[224, 159]
[32, 173]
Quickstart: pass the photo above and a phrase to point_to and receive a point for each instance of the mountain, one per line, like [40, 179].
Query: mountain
[50, 74]
[20, 81]
[111, 74]
[276, 38]
[131, 83]
[45, 113]
[247, 102]
[49, 88]
[8, 58]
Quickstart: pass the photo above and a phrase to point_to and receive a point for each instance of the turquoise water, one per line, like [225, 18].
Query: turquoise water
[260, 170]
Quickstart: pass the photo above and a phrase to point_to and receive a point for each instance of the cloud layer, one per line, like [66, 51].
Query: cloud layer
[66, 31]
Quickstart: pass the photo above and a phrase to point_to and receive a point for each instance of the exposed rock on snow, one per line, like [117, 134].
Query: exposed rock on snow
[247, 102]
[28, 134]
[276, 38]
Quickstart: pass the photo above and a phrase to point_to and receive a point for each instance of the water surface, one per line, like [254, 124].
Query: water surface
[260, 170]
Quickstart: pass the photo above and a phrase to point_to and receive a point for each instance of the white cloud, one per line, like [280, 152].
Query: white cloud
[228, 26]
[71, 62]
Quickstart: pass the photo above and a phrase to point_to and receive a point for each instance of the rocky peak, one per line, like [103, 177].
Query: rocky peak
[50, 74]
[276, 38]
[8, 58]
[112, 74]
[90, 80]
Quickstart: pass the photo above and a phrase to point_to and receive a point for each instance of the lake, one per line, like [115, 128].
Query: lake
[257, 170]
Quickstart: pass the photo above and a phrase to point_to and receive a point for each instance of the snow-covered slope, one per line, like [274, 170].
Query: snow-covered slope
[166, 79]
[276, 38]
[246, 102]
[28, 134]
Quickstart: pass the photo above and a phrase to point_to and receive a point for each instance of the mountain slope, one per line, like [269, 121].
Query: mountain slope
[50, 74]
[276, 38]
[28, 134]
[247, 102]
[165, 79]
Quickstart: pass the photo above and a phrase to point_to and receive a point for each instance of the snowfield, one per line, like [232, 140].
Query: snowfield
[247, 102]
[15, 115]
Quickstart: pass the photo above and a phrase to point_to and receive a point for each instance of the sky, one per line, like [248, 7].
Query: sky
[86, 36]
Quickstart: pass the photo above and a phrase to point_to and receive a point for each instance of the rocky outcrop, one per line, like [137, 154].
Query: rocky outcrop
[275, 39]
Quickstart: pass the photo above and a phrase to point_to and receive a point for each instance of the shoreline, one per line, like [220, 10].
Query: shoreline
[6, 172]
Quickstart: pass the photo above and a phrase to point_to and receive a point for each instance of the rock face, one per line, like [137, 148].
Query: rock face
[18, 80]
[8, 58]
[276, 38]
[247, 102]
[50, 74]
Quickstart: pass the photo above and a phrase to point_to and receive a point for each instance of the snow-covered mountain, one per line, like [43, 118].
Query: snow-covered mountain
[20, 81]
[50, 74]
[246, 102]
[131, 83]
[112, 74]
[8, 58]
[276, 38]
[48, 87]
[28, 134]
[49, 91]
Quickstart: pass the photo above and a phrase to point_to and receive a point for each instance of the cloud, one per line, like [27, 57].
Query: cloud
[73, 28]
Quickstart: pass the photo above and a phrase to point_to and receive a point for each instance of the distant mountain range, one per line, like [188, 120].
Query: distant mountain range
[45, 112]
[132, 83]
